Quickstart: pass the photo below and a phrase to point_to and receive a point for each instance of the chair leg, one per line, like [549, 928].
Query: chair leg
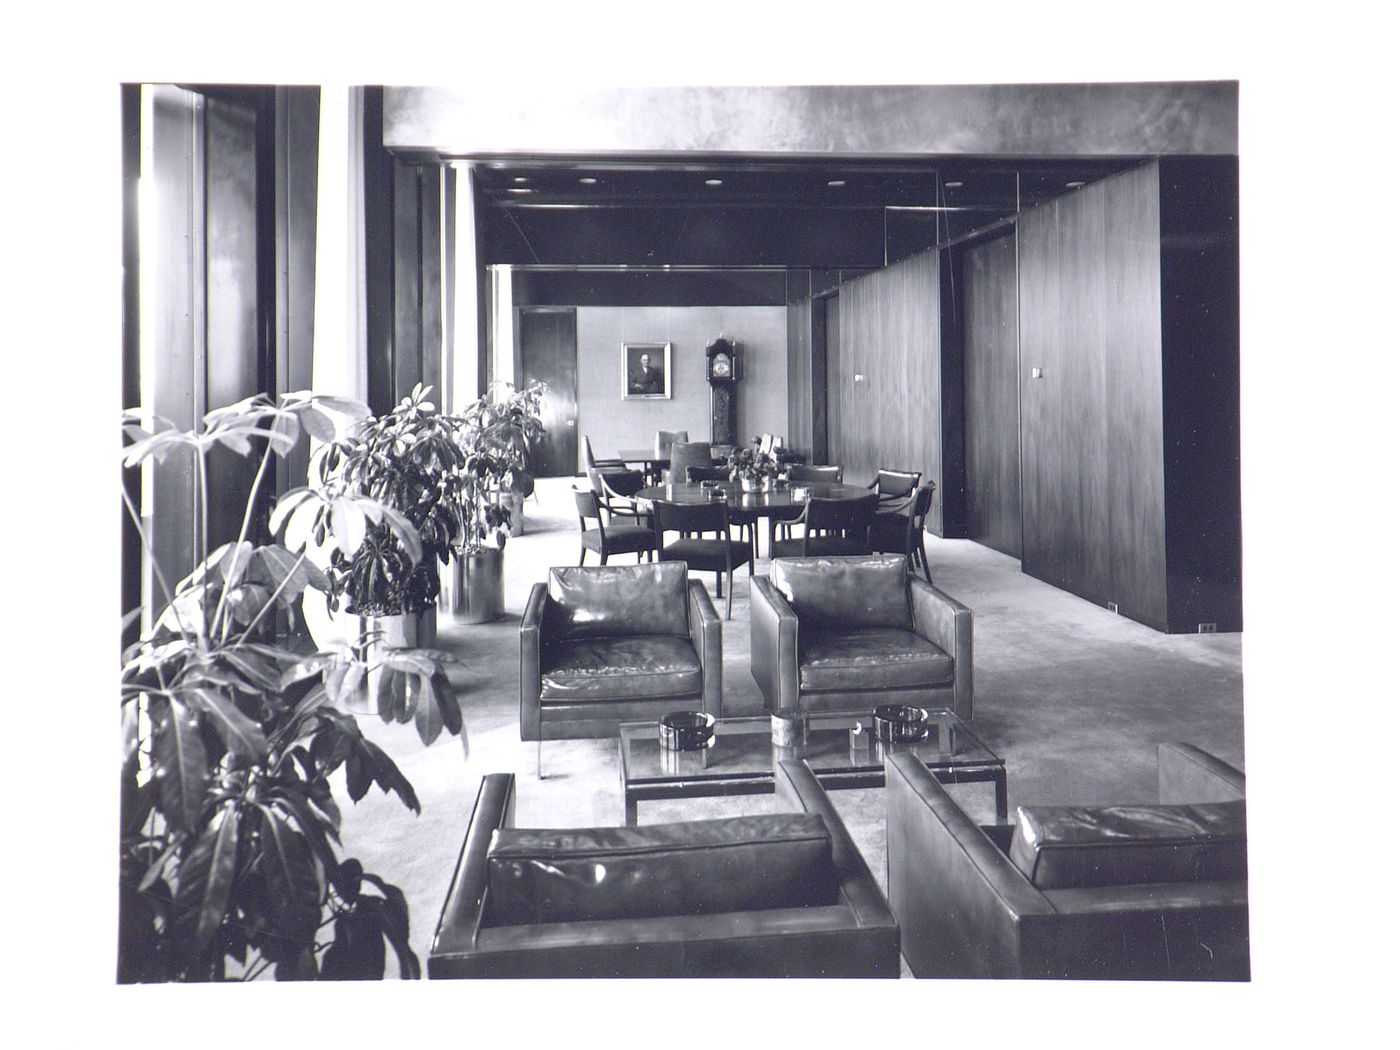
[923, 557]
[719, 585]
[581, 554]
[539, 747]
[729, 601]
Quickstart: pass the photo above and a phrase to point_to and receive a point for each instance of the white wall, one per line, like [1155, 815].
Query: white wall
[612, 423]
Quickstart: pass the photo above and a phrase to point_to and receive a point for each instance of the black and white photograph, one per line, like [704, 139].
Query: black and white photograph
[646, 370]
[936, 610]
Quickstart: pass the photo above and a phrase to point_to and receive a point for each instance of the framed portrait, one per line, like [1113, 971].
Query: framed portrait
[646, 371]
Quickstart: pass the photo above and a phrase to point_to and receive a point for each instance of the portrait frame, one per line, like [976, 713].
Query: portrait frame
[652, 388]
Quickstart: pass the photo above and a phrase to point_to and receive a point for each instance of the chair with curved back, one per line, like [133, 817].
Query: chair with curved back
[617, 493]
[903, 533]
[719, 555]
[689, 454]
[592, 462]
[606, 540]
[895, 485]
[747, 520]
[665, 439]
[802, 472]
[798, 473]
[832, 527]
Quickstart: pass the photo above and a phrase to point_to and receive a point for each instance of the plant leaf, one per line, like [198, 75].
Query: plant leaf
[181, 764]
[347, 525]
[427, 716]
[206, 877]
[295, 885]
[388, 776]
[241, 734]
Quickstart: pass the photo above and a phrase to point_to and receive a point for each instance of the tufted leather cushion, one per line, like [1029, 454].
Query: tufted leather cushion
[1075, 847]
[630, 668]
[782, 860]
[871, 591]
[863, 658]
[614, 600]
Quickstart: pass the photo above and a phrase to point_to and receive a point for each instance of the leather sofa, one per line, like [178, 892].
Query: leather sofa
[1109, 892]
[601, 645]
[777, 895]
[850, 633]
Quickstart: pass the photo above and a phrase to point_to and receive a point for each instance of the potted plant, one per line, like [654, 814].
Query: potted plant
[753, 467]
[405, 460]
[494, 435]
[231, 862]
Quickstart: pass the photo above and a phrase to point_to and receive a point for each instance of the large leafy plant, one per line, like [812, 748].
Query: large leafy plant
[406, 461]
[495, 434]
[230, 844]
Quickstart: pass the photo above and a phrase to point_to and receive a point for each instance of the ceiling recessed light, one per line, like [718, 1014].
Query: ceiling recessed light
[953, 185]
[520, 189]
[520, 178]
[714, 182]
[836, 182]
[1073, 185]
[588, 180]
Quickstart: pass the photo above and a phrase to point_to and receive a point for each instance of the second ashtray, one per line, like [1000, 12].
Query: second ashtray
[900, 723]
[686, 730]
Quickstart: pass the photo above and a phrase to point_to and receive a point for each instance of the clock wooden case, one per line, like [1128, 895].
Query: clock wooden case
[724, 367]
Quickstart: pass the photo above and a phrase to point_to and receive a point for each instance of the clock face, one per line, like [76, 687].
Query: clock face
[720, 366]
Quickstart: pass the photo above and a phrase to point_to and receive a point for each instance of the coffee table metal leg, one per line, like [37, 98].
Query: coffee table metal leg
[1001, 796]
[629, 810]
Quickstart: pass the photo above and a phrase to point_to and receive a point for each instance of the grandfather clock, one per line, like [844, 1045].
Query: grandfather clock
[724, 367]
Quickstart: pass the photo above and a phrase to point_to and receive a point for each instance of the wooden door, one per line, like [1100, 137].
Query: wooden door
[549, 353]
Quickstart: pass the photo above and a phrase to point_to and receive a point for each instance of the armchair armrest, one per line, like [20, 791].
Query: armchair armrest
[799, 791]
[706, 635]
[460, 920]
[947, 623]
[773, 646]
[1187, 774]
[531, 624]
[959, 899]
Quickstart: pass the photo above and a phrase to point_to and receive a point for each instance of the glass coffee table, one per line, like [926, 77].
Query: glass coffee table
[740, 760]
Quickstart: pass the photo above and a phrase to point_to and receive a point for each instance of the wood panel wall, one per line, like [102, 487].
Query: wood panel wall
[1091, 439]
[799, 360]
[991, 407]
[888, 333]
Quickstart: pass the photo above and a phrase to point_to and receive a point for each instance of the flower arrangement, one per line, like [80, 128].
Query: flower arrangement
[751, 463]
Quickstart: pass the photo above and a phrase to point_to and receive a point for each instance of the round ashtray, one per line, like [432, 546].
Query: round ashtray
[686, 730]
[801, 492]
[900, 724]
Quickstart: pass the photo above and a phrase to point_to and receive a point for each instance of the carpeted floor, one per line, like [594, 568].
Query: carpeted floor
[1074, 697]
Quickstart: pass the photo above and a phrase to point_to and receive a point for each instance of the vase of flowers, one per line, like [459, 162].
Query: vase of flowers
[753, 467]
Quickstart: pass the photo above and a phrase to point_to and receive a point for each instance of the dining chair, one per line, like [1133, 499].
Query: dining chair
[606, 540]
[667, 438]
[690, 454]
[618, 496]
[800, 472]
[831, 527]
[592, 462]
[903, 533]
[803, 472]
[895, 485]
[719, 555]
[745, 520]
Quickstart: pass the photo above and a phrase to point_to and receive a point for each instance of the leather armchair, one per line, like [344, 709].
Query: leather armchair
[1166, 908]
[601, 645]
[786, 895]
[846, 634]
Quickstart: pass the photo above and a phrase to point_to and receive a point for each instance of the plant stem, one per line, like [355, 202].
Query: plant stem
[272, 599]
[155, 565]
[242, 535]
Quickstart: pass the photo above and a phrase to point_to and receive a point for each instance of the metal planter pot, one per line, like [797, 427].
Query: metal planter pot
[473, 586]
[375, 634]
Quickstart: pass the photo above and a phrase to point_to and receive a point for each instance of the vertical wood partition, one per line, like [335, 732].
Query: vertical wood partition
[992, 402]
[888, 335]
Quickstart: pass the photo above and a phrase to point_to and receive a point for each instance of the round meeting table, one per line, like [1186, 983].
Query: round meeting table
[777, 503]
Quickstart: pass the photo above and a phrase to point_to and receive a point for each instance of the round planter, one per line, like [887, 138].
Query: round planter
[376, 634]
[473, 586]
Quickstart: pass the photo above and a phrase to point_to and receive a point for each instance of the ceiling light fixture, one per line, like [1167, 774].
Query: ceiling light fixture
[714, 182]
[836, 182]
[588, 180]
[519, 189]
[953, 185]
[1073, 185]
[520, 178]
